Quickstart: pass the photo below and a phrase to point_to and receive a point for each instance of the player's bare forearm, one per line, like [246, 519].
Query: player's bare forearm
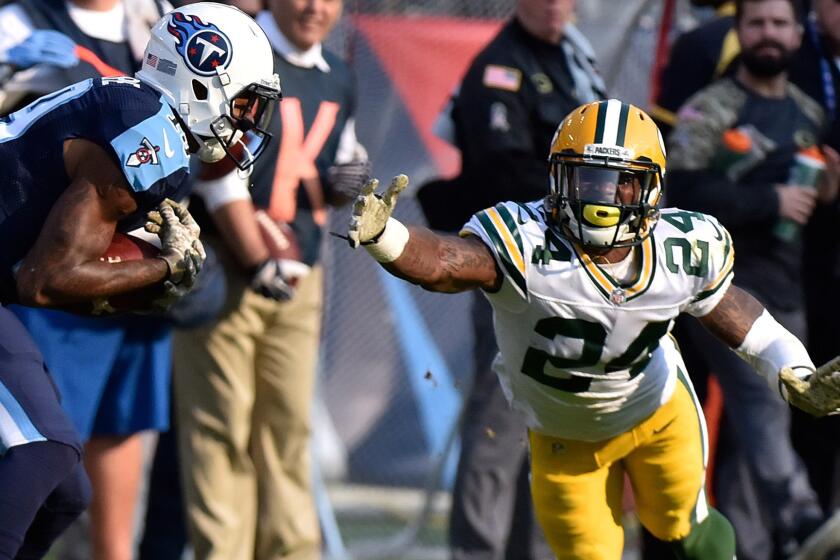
[446, 263]
[733, 316]
[63, 265]
[50, 287]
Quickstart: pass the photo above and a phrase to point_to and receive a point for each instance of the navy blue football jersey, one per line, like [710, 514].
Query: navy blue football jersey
[127, 118]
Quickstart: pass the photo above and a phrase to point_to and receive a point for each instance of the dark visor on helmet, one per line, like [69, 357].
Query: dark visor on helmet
[606, 186]
[603, 196]
[244, 135]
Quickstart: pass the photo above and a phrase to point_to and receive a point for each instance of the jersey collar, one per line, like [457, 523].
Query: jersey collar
[310, 58]
[608, 286]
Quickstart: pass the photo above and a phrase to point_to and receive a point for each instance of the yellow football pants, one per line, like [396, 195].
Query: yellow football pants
[578, 486]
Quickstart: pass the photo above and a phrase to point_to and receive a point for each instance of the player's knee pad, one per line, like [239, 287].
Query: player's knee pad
[713, 539]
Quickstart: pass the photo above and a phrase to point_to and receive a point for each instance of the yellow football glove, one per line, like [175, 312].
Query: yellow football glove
[371, 211]
[819, 393]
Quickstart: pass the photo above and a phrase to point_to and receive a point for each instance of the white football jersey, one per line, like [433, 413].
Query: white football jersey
[582, 355]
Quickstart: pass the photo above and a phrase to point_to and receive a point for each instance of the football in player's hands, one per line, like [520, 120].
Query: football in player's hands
[216, 170]
[133, 246]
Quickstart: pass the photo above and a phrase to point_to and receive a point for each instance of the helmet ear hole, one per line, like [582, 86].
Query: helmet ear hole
[199, 90]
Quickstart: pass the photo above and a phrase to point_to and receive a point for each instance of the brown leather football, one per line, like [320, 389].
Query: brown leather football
[125, 247]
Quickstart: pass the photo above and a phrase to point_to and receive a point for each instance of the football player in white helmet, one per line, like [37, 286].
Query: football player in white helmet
[101, 156]
[585, 286]
[213, 65]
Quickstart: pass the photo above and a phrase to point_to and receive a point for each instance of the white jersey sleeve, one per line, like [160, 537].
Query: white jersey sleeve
[498, 227]
[702, 248]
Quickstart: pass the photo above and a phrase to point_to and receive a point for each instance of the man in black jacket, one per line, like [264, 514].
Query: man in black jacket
[816, 70]
[749, 195]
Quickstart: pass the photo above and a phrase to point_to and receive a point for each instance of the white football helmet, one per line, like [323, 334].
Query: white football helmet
[214, 66]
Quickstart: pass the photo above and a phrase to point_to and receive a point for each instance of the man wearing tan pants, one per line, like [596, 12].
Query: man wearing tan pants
[243, 393]
[244, 383]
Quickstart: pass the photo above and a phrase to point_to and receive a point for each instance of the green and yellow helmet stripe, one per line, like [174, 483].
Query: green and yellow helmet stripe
[501, 228]
[622, 124]
[611, 124]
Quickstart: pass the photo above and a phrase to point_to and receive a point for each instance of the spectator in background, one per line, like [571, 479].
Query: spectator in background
[113, 373]
[244, 384]
[816, 71]
[697, 58]
[750, 194]
[164, 528]
[250, 7]
[531, 75]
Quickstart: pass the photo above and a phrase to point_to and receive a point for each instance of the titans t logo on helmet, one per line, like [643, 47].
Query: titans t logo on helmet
[202, 46]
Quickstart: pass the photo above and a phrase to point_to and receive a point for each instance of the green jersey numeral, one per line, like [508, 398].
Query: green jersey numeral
[701, 268]
[683, 220]
[593, 335]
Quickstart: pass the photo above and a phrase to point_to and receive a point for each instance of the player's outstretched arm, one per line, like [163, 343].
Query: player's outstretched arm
[742, 322]
[63, 266]
[440, 263]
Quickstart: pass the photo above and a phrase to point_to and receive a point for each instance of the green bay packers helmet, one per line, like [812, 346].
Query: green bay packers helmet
[607, 170]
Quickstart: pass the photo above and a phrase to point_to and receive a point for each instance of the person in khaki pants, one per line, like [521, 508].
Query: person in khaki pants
[244, 383]
[243, 391]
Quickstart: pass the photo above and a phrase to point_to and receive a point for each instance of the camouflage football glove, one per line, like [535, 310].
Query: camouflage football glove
[819, 393]
[371, 211]
[180, 247]
[171, 294]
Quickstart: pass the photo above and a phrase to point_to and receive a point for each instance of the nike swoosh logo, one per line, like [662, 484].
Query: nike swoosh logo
[166, 149]
[656, 431]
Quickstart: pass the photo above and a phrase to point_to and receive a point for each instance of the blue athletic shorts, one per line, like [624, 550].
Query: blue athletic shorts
[29, 406]
[113, 373]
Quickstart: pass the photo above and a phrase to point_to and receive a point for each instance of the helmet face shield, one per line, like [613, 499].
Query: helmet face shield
[608, 206]
[243, 135]
[252, 107]
[598, 185]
